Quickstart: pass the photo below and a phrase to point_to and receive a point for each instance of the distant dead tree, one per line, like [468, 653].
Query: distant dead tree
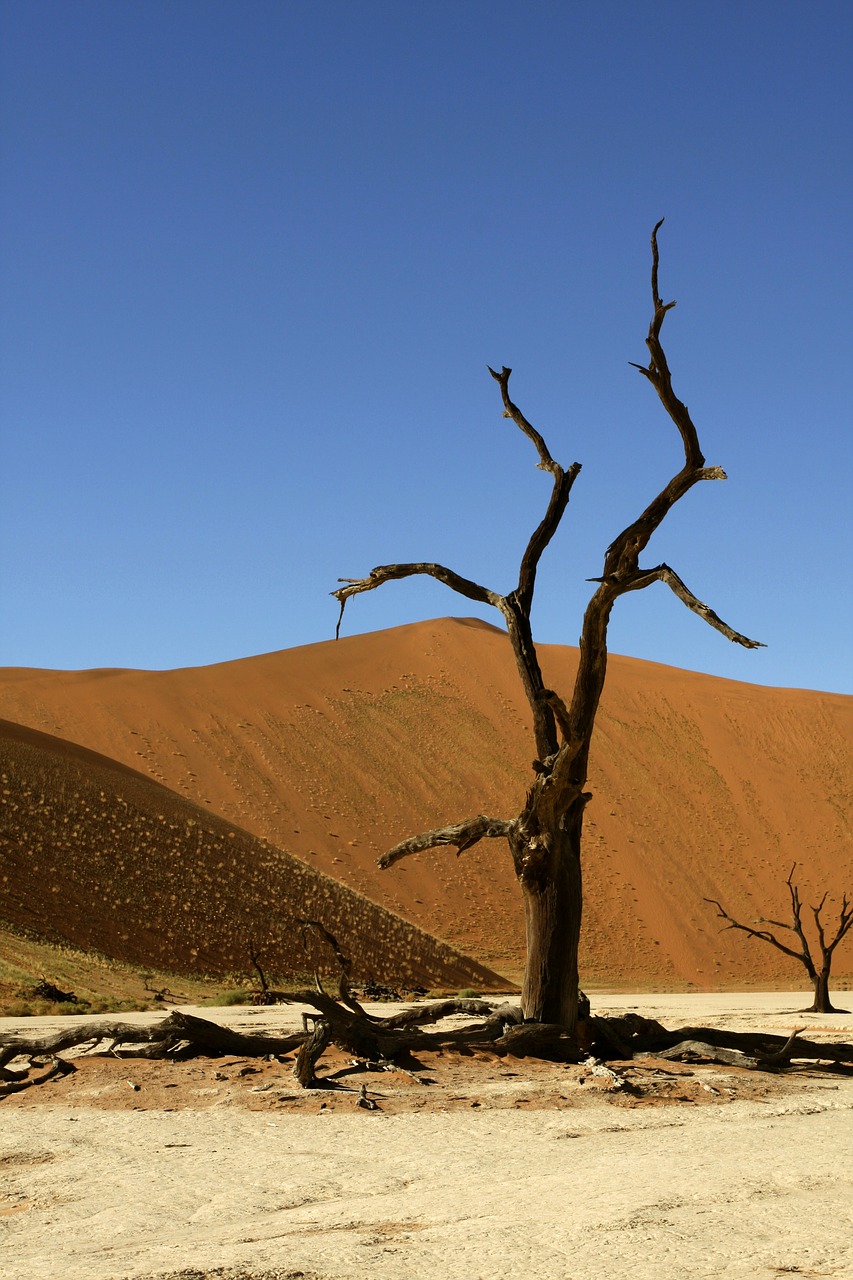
[264, 996]
[818, 973]
[545, 838]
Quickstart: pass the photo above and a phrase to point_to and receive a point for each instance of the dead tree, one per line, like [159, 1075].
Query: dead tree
[545, 838]
[264, 996]
[818, 973]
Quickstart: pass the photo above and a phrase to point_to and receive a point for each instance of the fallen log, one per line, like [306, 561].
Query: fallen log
[15, 1082]
[768, 1049]
[500, 1030]
[180, 1035]
[691, 1050]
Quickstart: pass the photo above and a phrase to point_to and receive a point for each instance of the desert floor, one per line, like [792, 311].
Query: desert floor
[495, 1168]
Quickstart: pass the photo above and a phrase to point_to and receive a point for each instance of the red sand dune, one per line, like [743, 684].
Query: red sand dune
[99, 856]
[702, 787]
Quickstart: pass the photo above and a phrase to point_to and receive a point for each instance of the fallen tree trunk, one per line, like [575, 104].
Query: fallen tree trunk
[384, 1040]
[180, 1035]
[766, 1048]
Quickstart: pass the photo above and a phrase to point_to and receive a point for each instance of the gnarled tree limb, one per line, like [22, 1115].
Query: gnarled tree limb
[462, 834]
[388, 572]
[178, 1035]
[344, 965]
[663, 573]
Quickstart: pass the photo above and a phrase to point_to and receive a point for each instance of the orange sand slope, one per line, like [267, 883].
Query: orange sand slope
[97, 855]
[335, 751]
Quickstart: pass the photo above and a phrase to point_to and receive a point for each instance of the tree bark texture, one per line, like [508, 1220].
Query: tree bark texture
[552, 894]
[822, 1002]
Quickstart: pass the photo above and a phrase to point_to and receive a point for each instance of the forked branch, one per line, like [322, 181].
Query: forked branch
[622, 571]
[621, 567]
[516, 606]
[663, 573]
[845, 920]
[764, 934]
[539, 539]
[658, 372]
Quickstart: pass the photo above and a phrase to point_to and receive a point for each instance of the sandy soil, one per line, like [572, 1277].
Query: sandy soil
[494, 1168]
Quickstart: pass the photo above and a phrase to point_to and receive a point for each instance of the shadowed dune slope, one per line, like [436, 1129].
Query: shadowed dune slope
[99, 856]
[701, 787]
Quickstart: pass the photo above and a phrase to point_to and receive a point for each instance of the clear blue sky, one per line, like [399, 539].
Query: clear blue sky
[256, 258]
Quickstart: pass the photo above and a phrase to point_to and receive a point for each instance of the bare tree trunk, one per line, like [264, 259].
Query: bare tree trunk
[822, 1003]
[553, 903]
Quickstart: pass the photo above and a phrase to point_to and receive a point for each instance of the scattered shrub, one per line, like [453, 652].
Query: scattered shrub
[237, 995]
[62, 1009]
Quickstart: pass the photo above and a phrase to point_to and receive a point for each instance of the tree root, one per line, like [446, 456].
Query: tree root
[15, 1081]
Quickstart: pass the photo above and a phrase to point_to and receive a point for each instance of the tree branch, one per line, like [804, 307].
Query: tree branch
[560, 711]
[462, 834]
[344, 993]
[844, 924]
[563, 481]
[546, 462]
[621, 562]
[624, 551]
[764, 934]
[658, 370]
[663, 573]
[387, 572]
[797, 926]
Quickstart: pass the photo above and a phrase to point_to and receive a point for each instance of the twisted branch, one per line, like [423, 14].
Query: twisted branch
[462, 834]
[663, 573]
[804, 955]
[624, 551]
[387, 572]
[764, 934]
[658, 372]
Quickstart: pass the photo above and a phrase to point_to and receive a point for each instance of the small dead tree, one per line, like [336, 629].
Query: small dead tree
[818, 972]
[545, 838]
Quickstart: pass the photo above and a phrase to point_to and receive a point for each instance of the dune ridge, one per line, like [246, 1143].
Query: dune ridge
[701, 787]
